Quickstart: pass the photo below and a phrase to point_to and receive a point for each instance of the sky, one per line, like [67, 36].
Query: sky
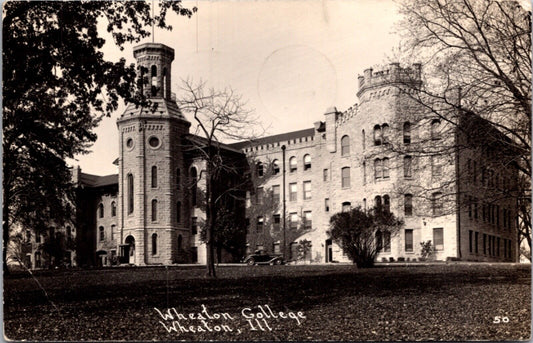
[290, 60]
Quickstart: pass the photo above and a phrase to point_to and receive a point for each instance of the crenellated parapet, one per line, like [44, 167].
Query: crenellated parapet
[392, 74]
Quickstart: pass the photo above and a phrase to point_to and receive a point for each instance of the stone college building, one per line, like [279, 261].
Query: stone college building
[450, 184]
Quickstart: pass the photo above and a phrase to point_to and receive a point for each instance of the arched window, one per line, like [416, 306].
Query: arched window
[408, 204]
[293, 164]
[346, 206]
[259, 167]
[407, 132]
[307, 162]
[386, 203]
[275, 167]
[377, 135]
[178, 211]
[154, 80]
[113, 209]
[364, 172]
[180, 243]
[407, 166]
[130, 193]
[385, 133]
[101, 233]
[154, 210]
[378, 169]
[363, 139]
[345, 146]
[101, 210]
[345, 174]
[386, 168]
[154, 177]
[194, 186]
[435, 129]
[377, 202]
[154, 243]
[178, 178]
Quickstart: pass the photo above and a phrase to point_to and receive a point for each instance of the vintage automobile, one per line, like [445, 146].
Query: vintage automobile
[262, 257]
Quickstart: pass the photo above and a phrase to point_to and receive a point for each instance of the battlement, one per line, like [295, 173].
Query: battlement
[389, 75]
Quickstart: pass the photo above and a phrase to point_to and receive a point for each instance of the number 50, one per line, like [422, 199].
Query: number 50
[499, 319]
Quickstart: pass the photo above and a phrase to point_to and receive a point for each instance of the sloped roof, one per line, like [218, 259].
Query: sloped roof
[275, 138]
[90, 180]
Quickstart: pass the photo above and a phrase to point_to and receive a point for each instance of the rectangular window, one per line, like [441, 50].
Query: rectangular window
[475, 208]
[408, 240]
[476, 241]
[469, 200]
[504, 248]
[326, 204]
[438, 238]
[259, 227]
[436, 167]
[293, 221]
[308, 220]
[194, 225]
[498, 215]
[484, 244]
[307, 190]
[130, 193]
[345, 172]
[470, 240]
[293, 195]
[277, 222]
[325, 175]
[408, 205]
[276, 248]
[386, 241]
[498, 246]
[407, 167]
[275, 194]
[259, 196]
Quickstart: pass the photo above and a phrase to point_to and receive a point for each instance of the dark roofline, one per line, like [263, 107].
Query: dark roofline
[275, 138]
[90, 180]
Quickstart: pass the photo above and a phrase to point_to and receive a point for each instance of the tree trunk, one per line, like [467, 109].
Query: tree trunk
[5, 228]
[210, 222]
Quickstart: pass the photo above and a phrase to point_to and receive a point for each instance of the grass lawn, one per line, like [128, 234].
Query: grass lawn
[339, 302]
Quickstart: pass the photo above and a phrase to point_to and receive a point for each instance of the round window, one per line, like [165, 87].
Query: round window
[154, 142]
[129, 143]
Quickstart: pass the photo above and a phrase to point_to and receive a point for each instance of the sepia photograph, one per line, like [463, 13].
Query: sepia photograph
[269, 170]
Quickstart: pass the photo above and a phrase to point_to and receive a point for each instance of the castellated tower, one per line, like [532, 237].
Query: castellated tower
[153, 229]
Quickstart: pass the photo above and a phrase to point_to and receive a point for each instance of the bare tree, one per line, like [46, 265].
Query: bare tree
[220, 116]
[476, 55]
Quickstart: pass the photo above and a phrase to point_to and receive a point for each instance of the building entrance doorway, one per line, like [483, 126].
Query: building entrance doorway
[329, 250]
[127, 251]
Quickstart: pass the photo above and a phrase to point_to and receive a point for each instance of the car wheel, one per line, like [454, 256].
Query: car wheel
[251, 262]
[277, 262]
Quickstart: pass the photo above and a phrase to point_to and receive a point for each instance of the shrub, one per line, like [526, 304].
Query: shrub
[427, 249]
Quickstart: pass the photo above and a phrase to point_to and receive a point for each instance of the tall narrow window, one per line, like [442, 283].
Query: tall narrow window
[154, 81]
[101, 210]
[178, 212]
[385, 162]
[113, 228]
[436, 204]
[307, 162]
[345, 172]
[385, 130]
[386, 203]
[438, 238]
[476, 241]
[364, 172]
[113, 209]
[165, 76]
[259, 167]
[377, 202]
[386, 241]
[363, 139]
[379, 241]
[436, 167]
[178, 178]
[130, 193]
[277, 222]
[154, 177]
[325, 175]
[345, 146]
[293, 164]
[470, 240]
[293, 221]
[194, 186]
[154, 210]
[259, 193]
[407, 133]
[326, 204]
[259, 227]
[275, 167]
[377, 135]
[101, 233]
[435, 129]
[378, 168]
[276, 194]
[307, 190]
[194, 225]
[408, 204]
[154, 244]
[293, 189]
[409, 240]
[308, 220]
[407, 166]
